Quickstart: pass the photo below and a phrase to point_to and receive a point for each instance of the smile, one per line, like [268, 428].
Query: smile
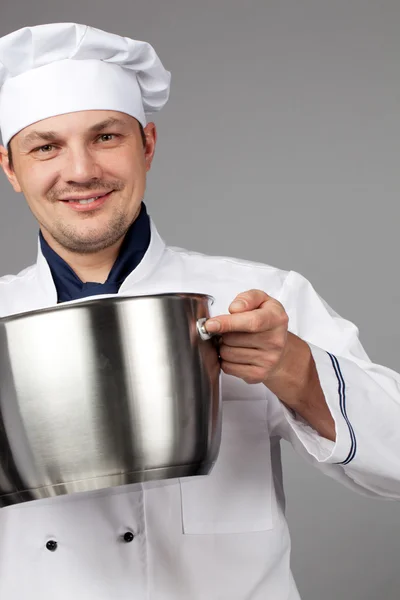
[86, 201]
[89, 203]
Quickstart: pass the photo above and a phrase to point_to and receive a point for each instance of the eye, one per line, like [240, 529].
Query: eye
[44, 149]
[107, 137]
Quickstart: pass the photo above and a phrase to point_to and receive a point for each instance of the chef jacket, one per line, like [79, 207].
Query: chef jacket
[223, 536]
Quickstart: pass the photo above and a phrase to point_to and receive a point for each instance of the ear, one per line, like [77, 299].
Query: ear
[150, 132]
[8, 170]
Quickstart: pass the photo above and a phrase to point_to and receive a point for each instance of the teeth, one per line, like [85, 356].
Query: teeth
[88, 201]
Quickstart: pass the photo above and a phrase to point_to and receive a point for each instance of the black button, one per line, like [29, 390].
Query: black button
[51, 545]
[128, 536]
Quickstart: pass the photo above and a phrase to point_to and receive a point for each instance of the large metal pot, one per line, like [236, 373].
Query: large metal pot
[105, 392]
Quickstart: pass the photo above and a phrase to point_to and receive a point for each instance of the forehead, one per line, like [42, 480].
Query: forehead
[76, 123]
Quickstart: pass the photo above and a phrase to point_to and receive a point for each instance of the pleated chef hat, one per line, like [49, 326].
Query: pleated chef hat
[59, 68]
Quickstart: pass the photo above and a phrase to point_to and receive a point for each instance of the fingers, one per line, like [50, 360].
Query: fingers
[270, 315]
[248, 300]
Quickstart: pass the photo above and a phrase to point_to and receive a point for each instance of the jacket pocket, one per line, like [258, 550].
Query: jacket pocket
[236, 497]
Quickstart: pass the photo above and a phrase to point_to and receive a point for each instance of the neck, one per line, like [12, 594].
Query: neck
[88, 267]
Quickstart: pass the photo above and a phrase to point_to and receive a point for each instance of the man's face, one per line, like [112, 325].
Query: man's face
[82, 155]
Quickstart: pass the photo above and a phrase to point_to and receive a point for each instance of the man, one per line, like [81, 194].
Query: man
[76, 143]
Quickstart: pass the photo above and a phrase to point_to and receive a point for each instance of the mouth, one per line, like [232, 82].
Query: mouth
[86, 203]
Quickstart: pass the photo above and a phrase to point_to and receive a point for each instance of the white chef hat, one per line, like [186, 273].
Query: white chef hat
[59, 68]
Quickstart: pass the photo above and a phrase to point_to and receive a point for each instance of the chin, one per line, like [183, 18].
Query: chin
[89, 243]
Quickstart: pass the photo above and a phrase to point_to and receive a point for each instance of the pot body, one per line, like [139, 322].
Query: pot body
[106, 392]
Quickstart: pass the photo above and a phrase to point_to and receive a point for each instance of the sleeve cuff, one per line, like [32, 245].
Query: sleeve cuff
[336, 395]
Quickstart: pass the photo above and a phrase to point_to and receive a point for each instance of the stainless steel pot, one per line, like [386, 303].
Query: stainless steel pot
[106, 392]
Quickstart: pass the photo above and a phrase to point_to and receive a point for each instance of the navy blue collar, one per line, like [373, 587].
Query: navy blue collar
[133, 248]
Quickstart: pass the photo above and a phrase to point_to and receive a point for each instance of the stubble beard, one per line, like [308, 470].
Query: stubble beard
[94, 240]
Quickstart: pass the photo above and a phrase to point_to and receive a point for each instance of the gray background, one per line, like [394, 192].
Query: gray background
[280, 144]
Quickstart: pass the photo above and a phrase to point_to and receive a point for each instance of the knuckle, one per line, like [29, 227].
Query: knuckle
[222, 351]
[254, 375]
[245, 295]
[250, 295]
[225, 367]
[230, 327]
[255, 323]
[281, 316]
[277, 344]
[284, 318]
[229, 368]
[271, 360]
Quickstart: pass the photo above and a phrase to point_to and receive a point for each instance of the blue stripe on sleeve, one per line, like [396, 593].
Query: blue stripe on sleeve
[342, 397]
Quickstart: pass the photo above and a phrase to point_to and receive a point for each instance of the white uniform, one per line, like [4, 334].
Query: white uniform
[223, 536]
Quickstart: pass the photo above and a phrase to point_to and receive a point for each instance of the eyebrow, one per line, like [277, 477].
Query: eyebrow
[110, 122]
[39, 135]
[53, 136]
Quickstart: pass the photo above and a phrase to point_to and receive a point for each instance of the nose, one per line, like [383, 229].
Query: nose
[81, 166]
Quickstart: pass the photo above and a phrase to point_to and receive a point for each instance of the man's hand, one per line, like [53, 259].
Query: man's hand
[257, 347]
[254, 336]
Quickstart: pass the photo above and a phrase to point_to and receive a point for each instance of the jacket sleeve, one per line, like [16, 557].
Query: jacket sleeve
[363, 397]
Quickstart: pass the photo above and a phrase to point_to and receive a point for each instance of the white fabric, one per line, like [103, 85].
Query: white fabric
[60, 68]
[223, 536]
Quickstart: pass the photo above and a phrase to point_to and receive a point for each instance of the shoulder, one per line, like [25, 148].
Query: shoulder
[11, 280]
[228, 269]
[14, 286]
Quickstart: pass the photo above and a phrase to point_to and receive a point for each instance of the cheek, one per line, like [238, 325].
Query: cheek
[36, 181]
[130, 172]
[127, 164]
[34, 191]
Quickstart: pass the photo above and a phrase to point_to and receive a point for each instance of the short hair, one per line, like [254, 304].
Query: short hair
[10, 156]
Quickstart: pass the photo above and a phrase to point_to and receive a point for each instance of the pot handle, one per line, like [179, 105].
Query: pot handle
[203, 333]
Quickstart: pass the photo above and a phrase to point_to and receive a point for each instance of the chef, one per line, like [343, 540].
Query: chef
[77, 143]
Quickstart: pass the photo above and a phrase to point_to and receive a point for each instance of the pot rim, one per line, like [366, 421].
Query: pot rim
[102, 298]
